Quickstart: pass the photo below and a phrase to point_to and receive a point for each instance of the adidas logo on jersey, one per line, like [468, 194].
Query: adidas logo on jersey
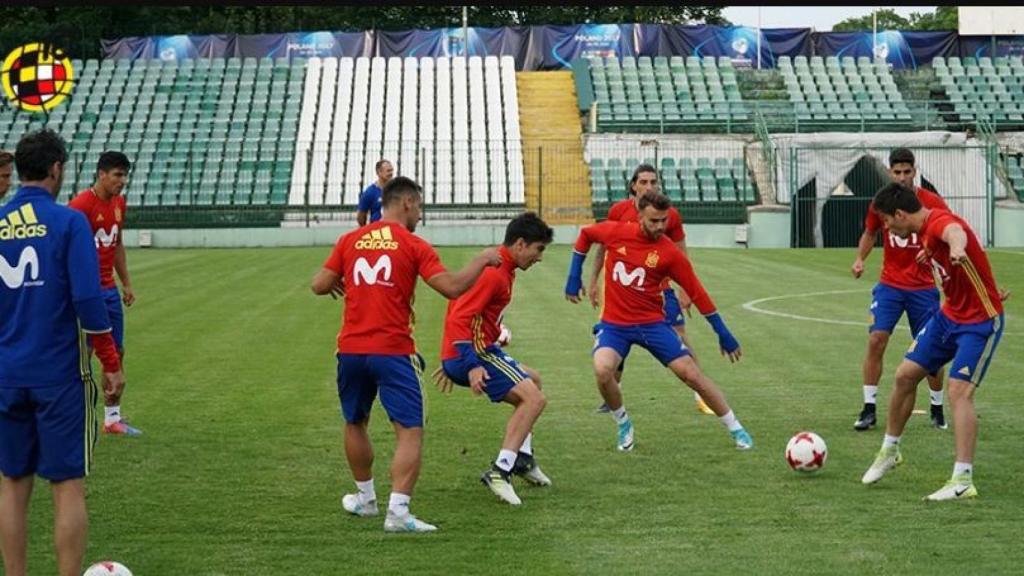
[379, 239]
[21, 224]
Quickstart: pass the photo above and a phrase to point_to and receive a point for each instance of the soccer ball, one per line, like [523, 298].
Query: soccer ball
[107, 568]
[806, 452]
[505, 338]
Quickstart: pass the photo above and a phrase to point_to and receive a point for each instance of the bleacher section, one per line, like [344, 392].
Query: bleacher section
[450, 123]
[833, 91]
[980, 88]
[1015, 172]
[199, 132]
[642, 94]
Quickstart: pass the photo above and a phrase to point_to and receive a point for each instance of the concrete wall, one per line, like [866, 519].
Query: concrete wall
[1009, 225]
[770, 226]
[461, 234]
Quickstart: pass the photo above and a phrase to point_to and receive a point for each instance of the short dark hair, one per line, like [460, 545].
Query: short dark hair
[376, 167]
[112, 159]
[894, 196]
[530, 228]
[645, 167]
[659, 201]
[6, 158]
[901, 156]
[37, 152]
[398, 187]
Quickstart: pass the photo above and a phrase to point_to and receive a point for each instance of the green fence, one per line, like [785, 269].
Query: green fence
[824, 217]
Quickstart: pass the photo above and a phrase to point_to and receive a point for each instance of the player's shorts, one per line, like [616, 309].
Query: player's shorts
[673, 311]
[888, 304]
[397, 376]
[969, 346]
[49, 431]
[658, 338]
[112, 298]
[502, 370]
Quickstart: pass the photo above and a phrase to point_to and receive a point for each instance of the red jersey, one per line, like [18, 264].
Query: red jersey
[107, 222]
[475, 317]
[900, 268]
[379, 264]
[625, 211]
[970, 288]
[635, 267]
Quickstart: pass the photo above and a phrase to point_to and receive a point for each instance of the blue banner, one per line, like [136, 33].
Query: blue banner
[903, 50]
[738, 43]
[978, 46]
[561, 45]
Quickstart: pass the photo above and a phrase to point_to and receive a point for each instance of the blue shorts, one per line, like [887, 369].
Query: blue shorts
[673, 311]
[888, 304]
[969, 346]
[50, 431]
[397, 376]
[502, 370]
[658, 338]
[112, 298]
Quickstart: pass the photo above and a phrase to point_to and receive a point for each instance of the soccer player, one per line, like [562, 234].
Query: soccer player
[370, 199]
[639, 257]
[906, 286]
[645, 181]
[49, 287]
[375, 267]
[471, 357]
[6, 170]
[104, 207]
[965, 332]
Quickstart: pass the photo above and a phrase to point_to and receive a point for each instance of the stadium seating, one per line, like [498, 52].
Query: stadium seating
[1015, 172]
[642, 93]
[450, 123]
[982, 88]
[834, 90]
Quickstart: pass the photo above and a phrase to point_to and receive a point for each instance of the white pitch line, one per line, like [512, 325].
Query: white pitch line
[752, 306]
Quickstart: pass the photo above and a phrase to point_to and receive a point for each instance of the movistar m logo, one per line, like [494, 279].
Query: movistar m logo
[21, 224]
[379, 239]
[106, 240]
[620, 275]
[27, 265]
[364, 273]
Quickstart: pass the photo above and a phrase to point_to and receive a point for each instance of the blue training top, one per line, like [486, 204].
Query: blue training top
[49, 279]
[370, 201]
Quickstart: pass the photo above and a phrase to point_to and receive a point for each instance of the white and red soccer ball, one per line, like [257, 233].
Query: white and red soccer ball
[806, 452]
[107, 568]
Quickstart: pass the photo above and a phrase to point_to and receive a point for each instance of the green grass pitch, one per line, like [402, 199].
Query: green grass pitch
[231, 376]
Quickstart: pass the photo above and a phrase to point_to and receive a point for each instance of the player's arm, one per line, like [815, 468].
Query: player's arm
[364, 208]
[955, 235]
[595, 233]
[330, 279]
[451, 285]
[121, 267]
[595, 275]
[685, 302]
[83, 270]
[872, 226]
[683, 273]
[459, 327]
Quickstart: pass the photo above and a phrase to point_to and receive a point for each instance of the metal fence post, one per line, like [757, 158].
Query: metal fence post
[540, 181]
[305, 192]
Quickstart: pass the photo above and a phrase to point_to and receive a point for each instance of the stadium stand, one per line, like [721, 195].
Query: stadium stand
[982, 88]
[831, 90]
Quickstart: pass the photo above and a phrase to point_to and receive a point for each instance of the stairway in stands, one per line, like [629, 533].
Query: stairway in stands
[557, 179]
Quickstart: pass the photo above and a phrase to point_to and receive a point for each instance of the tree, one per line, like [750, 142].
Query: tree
[944, 18]
[888, 19]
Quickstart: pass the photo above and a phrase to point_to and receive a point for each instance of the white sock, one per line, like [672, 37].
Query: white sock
[697, 397]
[399, 504]
[870, 394]
[936, 397]
[111, 414]
[963, 468]
[620, 414]
[527, 447]
[366, 491]
[731, 422]
[890, 441]
[506, 459]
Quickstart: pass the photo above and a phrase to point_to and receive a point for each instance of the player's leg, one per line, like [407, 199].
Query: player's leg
[15, 494]
[603, 408]
[526, 465]
[611, 347]
[113, 423]
[921, 306]
[356, 391]
[675, 318]
[886, 309]
[402, 398]
[976, 345]
[687, 370]
[70, 525]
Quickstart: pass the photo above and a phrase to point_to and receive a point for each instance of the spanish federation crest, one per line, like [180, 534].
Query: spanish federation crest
[652, 259]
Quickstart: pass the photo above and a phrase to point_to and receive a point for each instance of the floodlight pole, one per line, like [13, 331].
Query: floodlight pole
[465, 31]
[874, 35]
[758, 37]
